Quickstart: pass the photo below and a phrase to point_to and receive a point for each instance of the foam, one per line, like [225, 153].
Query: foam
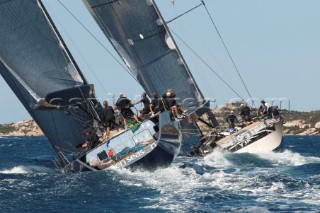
[15, 170]
[171, 183]
[289, 158]
[217, 159]
[25, 170]
[184, 183]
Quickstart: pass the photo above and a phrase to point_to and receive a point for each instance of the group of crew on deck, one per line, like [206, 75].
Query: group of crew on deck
[264, 111]
[150, 108]
[127, 118]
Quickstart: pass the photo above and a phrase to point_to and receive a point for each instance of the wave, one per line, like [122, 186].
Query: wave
[289, 158]
[26, 170]
[225, 160]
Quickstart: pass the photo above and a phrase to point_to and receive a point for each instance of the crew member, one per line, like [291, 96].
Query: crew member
[265, 109]
[108, 118]
[146, 104]
[245, 113]
[124, 105]
[232, 119]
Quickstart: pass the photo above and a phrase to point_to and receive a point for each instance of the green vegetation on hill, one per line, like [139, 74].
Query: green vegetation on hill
[310, 118]
[6, 128]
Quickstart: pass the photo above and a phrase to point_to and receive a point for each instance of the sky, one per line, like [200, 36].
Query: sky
[274, 44]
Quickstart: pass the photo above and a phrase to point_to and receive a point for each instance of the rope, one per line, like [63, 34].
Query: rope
[225, 46]
[97, 40]
[203, 61]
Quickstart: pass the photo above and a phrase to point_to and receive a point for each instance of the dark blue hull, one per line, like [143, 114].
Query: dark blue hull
[162, 156]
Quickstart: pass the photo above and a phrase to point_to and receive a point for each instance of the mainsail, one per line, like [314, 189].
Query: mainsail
[140, 36]
[37, 66]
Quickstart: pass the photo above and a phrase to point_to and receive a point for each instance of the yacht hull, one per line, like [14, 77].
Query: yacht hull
[154, 145]
[261, 136]
[266, 144]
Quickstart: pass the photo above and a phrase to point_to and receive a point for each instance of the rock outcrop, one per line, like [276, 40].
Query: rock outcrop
[21, 128]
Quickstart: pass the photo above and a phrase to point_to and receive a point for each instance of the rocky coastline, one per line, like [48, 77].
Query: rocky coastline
[296, 123]
[21, 128]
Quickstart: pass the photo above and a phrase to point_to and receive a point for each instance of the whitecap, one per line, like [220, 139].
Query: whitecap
[25, 170]
[289, 158]
[15, 170]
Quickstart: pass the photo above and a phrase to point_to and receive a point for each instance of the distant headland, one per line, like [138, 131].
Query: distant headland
[21, 128]
[296, 123]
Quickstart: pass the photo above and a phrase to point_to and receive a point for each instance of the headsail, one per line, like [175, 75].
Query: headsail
[35, 62]
[140, 36]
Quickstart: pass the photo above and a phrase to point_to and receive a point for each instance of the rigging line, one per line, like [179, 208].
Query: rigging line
[225, 46]
[198, 56]
[98, 41]
[183, 14]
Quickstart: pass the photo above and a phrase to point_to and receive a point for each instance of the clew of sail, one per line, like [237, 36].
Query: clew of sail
[35, 63]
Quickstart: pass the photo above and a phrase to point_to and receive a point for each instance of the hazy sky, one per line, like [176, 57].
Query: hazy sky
[275, 44]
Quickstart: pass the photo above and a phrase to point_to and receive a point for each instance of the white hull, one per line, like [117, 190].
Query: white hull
[267, 143]
[262, 136]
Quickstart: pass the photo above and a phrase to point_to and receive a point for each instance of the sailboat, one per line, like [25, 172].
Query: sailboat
[140, 35]
[37, 65]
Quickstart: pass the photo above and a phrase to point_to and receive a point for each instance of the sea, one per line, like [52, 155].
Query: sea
[284, 181]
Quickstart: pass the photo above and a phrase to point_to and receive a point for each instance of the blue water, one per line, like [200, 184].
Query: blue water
[286, 181]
